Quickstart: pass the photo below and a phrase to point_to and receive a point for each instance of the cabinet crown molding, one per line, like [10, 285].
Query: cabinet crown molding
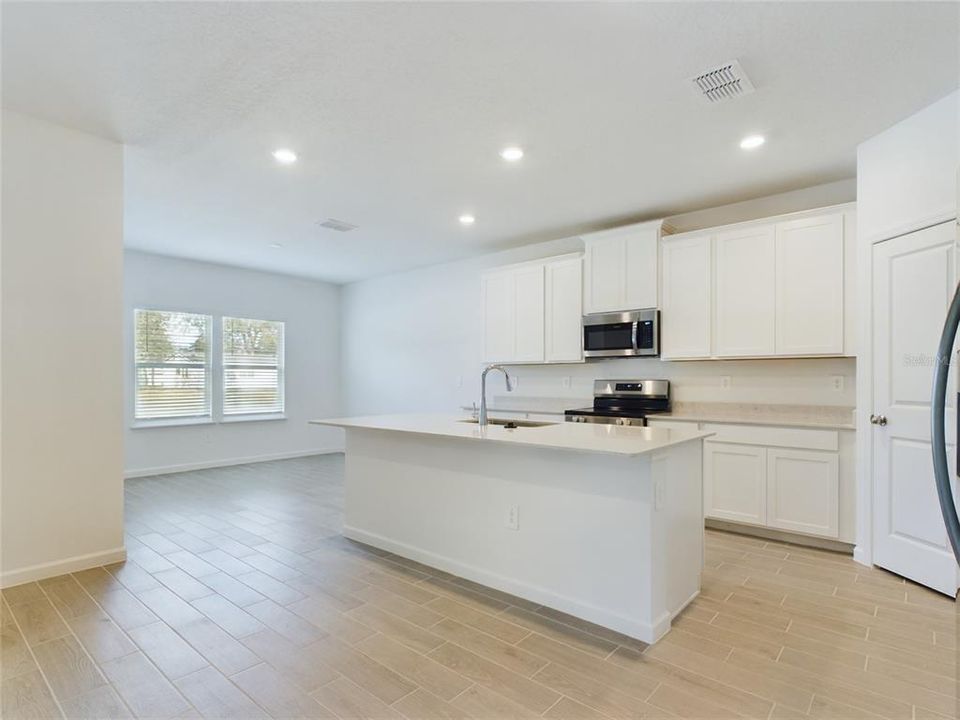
[654, 225]
[531, 263]
[765, 220]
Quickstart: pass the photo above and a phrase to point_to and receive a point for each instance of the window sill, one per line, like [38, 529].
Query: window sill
[171, 422]
[253, 418]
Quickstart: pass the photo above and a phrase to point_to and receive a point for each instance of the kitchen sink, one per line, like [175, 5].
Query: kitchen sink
[511, 423]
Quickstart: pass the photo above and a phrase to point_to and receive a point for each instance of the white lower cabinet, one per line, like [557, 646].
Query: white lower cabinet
[803, 489]
[793, 479]
[734, 482]
[787, 489]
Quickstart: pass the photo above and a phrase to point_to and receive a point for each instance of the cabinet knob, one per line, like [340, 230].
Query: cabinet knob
[880, 420]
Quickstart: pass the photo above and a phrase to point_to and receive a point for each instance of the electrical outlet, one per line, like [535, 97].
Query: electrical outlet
[725, 382]
[515, 381]
[836, 382]
[513, 517]
[565, 382]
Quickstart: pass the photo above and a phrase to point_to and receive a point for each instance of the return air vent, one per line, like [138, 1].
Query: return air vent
[724, 82]
[338, 225]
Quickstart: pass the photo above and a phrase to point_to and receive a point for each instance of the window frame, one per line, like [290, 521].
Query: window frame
[208, 366]
[280, 414]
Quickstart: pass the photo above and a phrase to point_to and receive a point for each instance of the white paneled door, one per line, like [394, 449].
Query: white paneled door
[913, 280]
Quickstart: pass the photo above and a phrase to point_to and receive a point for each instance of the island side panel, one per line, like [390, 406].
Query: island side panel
[585, 532]
[678, 526]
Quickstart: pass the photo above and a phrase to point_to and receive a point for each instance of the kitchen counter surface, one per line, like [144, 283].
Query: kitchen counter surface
[812, 416]
[607, 439]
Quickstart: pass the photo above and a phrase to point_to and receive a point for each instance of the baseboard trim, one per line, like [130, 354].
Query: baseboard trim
[227, 462]
[648, 633]
[862, 556]
[42, 571]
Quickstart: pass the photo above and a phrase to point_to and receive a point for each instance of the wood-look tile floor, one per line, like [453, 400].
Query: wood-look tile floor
[241, 600]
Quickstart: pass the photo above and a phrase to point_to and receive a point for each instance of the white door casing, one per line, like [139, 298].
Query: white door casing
[914, 277]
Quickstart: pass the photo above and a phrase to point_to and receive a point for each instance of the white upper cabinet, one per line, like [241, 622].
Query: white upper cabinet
[780, 287]
[528, 310]
[685, 327]
[620, 268]
[745, 292]
[499, 323]
[532, 311]
[809, 282]
[563, 339]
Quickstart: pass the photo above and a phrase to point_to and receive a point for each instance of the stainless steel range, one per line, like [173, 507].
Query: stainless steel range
[624, 402]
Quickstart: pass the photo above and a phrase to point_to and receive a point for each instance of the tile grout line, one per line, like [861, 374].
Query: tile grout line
[33, 655]
[135, 644]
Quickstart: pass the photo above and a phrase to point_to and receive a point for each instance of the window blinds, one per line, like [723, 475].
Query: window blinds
[252, 366]
[172, 355]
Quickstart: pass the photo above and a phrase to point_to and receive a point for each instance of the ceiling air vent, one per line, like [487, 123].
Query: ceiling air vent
[724, 82]
[338, 225]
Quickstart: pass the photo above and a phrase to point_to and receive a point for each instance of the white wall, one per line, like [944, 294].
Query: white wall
[61, 495]
[411, 340]
[311, 311]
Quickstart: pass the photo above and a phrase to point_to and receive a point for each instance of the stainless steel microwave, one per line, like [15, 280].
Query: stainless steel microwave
[622, 334]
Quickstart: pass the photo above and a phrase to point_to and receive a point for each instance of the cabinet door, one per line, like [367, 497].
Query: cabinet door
[803, 491]
[745, 295]
[499, 322]
[640, 265]
[687, 294]
[606, 276]
[809, 281]
[734, 482]
[528, 314]
[563, 338]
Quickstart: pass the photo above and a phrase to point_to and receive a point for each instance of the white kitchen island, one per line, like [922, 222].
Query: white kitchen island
[599, 521]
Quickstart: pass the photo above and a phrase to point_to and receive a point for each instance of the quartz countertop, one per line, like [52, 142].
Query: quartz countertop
[608, 439]
[813, 416]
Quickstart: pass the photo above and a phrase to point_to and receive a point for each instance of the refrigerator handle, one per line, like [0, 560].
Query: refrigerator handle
[941, 471]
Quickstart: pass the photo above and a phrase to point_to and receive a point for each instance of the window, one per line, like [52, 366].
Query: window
[172, 352]
[252, 367]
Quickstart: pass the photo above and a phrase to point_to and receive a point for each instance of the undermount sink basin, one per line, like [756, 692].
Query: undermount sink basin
[511, 423]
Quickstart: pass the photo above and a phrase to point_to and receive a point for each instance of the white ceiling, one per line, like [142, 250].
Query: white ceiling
[398, 112]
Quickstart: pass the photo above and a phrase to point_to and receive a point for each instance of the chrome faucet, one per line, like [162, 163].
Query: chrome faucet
[482, 421]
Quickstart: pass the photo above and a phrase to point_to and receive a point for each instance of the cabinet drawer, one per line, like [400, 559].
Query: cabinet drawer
[802, 438]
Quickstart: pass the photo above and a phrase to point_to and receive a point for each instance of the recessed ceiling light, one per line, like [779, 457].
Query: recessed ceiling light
[467, 219]
[276, 245]
[751, 142]
[512, 153]
[284, 156]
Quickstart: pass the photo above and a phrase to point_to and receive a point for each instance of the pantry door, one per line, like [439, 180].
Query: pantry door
[913, 281]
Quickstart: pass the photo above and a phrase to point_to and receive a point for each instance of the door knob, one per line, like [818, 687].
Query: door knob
[880, 420]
